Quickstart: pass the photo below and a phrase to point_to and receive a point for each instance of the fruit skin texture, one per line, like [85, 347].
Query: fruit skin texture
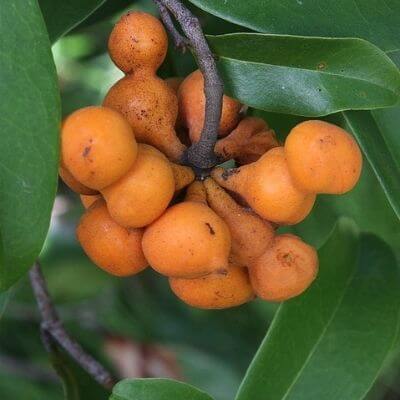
[189, 240]
[151, 108]
[285, 270]
[215, 291]
[196, 192]
[97, 146]
[323, 158]
[143, 194]
[110, 246]
[73, 184]
[192, 107]
[251, 235]
[183, 175]
[247, 142]
[268, 188]
[88, 200]
[174, 82]
[138, 41]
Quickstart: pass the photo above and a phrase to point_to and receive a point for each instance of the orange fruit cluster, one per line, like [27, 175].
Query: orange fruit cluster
[214, 239]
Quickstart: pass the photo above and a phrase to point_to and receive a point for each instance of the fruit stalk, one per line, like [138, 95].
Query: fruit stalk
[54, 331]
[201, 155]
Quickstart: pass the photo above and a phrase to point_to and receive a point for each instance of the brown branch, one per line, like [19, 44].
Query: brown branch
[180, 42]
[201, 155]
[53, 330]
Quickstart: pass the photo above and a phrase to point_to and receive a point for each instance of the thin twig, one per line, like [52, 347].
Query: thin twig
[53, 329]
[180, 41]
[201, 155]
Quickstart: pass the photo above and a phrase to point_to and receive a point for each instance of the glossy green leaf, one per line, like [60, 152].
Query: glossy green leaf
[379, 153]
[305, 76]
[29, 125]
[62, 16]
[347, 319]
[108, 9]
[214, 374]
[369, 207]
[156, 389]
[372, 20]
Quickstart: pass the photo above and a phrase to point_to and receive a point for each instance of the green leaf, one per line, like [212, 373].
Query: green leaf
[347, 319]
[380, 154]
[29, 124]
[62, 16]
[156, 389]
[205, 370]
[305, 76]
[369, 207]
[107, 10]
[372, 20]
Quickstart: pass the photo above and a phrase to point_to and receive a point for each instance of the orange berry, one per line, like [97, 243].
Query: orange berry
[97, 146]
[151, 107]
[142, 194]
[189, 240]
[323, 158]
[73, 184]
[110, 246]
[285, 270]
[88, 200]
[183, 175]
[251, 139]
[215, 291]
[196, 192]
[266, 185]
[192, 107]
[251, 235]
[138, 41]
[174, 83]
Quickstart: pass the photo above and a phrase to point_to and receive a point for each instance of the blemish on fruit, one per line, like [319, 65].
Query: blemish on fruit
[210, 228]
[229, 172]
[86, 151]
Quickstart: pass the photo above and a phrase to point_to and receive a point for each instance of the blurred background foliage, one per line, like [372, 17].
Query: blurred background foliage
[135, 326]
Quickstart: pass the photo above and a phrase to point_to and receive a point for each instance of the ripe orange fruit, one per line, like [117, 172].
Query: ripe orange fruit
[138, 41]
[144, 192]
[215, 291]
[151, 107]
[97, 146]
[189, 240]
[73, 184]
[110, 246]
[268, 188]
[183, 175]
[174, 83]
[251, 234]
[285, 270]
[250, 140]
[323, 158]
[192, 107]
